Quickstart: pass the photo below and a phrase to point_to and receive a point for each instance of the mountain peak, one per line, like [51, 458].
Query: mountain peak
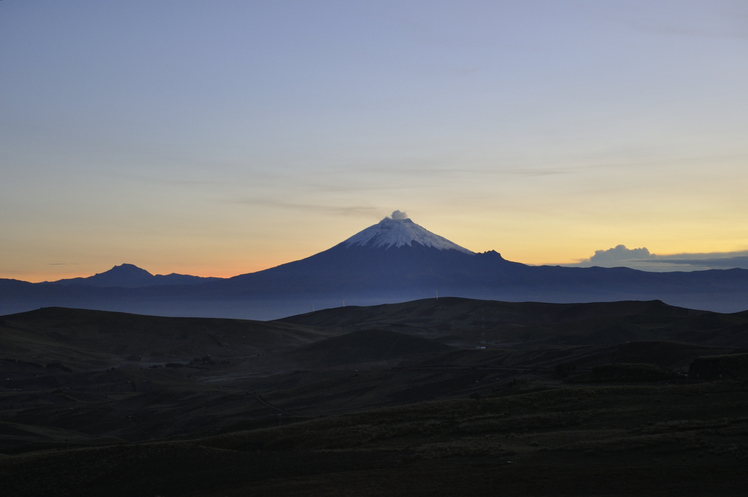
[131, 276]
[124, 275]
[127, 269]
[397, 231]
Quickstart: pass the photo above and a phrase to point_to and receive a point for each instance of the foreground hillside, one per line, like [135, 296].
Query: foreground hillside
[432, 397]
[523, 439]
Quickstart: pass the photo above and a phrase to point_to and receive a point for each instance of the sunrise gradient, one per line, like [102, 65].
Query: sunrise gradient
[221, 138]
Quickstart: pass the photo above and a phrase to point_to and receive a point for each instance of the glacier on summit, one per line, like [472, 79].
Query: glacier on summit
[398, 231]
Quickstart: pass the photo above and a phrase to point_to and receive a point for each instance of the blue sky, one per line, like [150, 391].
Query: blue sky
[218, 138]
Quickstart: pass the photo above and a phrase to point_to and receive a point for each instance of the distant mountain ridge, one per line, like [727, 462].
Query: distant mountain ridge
[392, 261]
[131, 276]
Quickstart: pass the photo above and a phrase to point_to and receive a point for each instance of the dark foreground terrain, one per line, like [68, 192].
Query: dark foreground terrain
[432, 397]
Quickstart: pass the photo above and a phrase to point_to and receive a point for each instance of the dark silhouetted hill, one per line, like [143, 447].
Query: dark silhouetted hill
[365, 346]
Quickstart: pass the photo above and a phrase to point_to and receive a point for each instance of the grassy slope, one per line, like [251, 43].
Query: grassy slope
[464, 322]
[611, 440]
[84, 391]
[84, 339]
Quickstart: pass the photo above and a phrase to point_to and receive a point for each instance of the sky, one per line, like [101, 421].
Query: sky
[220, 138]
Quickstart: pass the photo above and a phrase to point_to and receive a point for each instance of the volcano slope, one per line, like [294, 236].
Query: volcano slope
[431, 397]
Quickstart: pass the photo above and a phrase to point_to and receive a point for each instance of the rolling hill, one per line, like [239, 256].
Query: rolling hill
[429, 397]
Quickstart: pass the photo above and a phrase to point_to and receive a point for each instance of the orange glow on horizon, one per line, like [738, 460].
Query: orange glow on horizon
[218, 271]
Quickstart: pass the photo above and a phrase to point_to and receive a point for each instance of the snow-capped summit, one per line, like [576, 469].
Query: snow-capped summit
[397, 231]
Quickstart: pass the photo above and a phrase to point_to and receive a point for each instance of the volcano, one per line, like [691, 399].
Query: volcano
[395, 260]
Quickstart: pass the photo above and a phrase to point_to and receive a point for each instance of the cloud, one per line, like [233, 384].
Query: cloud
[399, 215]
[618, 254]
[642, 259]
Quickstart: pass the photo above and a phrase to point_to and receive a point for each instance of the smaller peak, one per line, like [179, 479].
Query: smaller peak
[126, 265]
[128, 268]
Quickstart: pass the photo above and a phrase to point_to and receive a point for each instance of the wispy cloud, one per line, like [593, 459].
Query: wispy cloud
[340, 210]
[662, 27]
[728, 20]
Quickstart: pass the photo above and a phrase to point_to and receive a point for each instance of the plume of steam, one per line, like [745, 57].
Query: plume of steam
[399, 215]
